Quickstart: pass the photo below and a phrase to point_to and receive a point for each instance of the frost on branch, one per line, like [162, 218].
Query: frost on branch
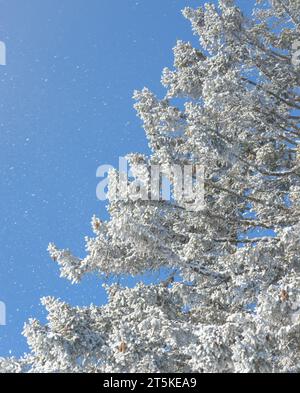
[231, 300]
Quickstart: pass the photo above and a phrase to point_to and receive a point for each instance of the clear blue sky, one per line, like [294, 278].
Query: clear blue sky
[66, 108]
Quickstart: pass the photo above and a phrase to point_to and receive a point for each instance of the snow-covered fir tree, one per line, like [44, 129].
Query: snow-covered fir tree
[231, 301]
